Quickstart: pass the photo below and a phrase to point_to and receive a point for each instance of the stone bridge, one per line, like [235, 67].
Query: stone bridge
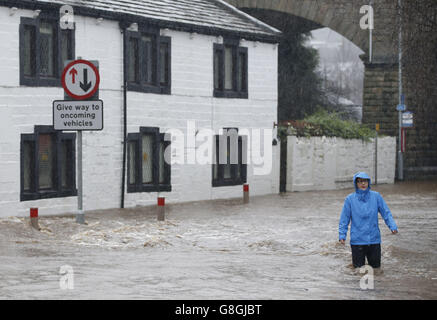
[381, 93]
[342, 16]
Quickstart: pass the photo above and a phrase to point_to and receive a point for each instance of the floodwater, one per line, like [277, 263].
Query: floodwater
[276, 247]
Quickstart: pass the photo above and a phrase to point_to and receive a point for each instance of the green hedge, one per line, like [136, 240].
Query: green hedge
[326, 124]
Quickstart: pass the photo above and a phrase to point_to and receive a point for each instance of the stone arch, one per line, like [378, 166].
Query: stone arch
[380, 92]
[342, 16]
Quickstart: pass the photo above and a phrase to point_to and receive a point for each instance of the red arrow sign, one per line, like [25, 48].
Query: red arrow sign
[86, 87]
[73, 73]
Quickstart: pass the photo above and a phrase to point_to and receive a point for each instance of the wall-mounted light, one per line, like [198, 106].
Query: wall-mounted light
[99, 21]
[12, 11]
[242, 42]
[192, 35]
[220, 39]
[36, 13]
[164, 32]
[133, 27]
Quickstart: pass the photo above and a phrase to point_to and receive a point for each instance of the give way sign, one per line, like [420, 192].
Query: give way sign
[80, 79]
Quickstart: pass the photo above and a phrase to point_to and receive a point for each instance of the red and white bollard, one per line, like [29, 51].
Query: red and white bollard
[161, 208]
[246, 193]
[34, 218]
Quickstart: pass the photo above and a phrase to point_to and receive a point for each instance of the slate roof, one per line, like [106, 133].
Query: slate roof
[211, 16]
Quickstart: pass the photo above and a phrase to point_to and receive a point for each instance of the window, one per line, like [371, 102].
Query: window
[230, 166]
[47, 164]
[44, 47]
[230, 70]
[148, 61]
[147, 169]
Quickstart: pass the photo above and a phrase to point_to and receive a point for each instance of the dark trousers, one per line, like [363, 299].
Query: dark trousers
[371, 251]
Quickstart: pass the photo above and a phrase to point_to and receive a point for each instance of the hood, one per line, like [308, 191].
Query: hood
[361, 175]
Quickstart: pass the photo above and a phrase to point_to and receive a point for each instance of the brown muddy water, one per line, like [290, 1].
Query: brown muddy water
[276, 247]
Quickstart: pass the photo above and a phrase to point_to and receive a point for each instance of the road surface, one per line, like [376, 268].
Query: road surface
[276, 247]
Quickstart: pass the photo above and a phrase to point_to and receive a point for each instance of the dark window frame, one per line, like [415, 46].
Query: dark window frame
[165, 85]
[36, 79]
[57, 191]
[235, 179]
[156, 185]
[240, 62]
[139, 84]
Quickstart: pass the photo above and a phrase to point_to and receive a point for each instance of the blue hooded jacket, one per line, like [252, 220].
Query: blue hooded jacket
[361, 210]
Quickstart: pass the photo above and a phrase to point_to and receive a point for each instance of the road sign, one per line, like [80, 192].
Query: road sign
[400, 107]
[407, 119]
[78, 115]
[80, 79]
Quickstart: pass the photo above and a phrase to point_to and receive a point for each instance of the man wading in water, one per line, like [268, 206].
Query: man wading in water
[361, 209]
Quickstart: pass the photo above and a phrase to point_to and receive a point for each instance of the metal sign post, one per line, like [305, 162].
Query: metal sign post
[80, 80]
[80, 217]
[401, 96]
[370, 31]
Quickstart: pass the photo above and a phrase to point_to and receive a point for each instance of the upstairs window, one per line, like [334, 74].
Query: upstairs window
[44, 47]
[148, 61]
[47, 164]
[230, 70]
[147, 169]
[230, 152]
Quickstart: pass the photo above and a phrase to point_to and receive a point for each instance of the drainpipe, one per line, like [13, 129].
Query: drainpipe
[123, 178]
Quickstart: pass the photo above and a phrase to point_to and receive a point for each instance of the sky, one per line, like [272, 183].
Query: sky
[339, 61]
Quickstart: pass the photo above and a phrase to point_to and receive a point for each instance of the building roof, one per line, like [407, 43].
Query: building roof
[202, 16]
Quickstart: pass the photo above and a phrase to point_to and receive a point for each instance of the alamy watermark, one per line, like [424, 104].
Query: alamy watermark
[366, 21]
[251, 146]
[66, 282]
[367, 282]
[66, 17]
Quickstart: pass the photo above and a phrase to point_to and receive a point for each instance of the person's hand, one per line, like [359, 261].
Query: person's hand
[394, 231]
[341, 241]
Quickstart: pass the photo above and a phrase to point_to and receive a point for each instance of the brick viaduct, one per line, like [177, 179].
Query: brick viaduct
[380, 94]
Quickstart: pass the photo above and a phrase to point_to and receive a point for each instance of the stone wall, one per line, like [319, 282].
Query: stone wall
[381, 96]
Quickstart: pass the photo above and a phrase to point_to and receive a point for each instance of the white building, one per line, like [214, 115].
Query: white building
[187, 63]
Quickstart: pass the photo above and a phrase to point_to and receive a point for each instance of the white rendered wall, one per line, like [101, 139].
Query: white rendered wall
[321, 163]
[191, 98]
